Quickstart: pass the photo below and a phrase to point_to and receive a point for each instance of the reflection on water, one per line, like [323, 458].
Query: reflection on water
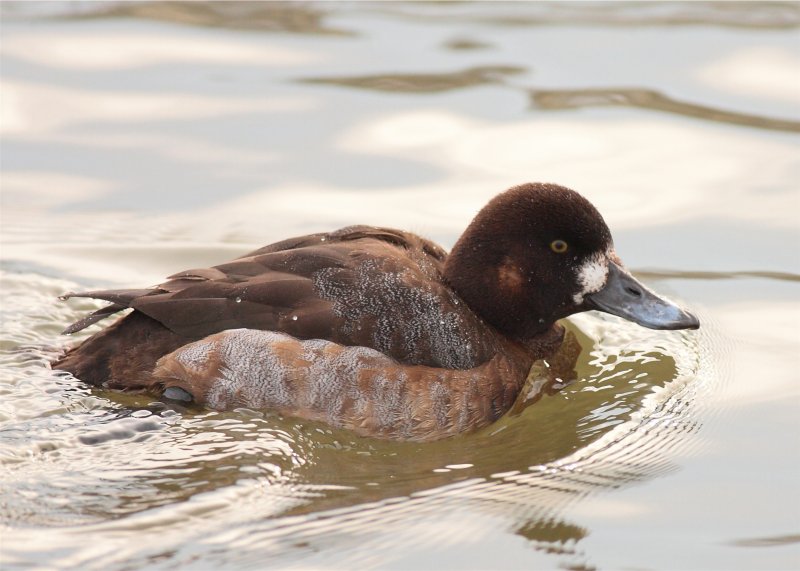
[466, 44]
[423, 82]
[143, 138]
[768, 541]
[309, 17]
[552, 99]
[770, 15]
[294, 17]
[649, 99]
[784, 276]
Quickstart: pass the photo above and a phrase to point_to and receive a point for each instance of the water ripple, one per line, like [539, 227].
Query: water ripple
[102, 464]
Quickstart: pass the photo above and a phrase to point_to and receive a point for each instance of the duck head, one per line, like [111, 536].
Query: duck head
[540, 252]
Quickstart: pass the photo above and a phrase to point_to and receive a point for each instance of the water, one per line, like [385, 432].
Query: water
[142, 139]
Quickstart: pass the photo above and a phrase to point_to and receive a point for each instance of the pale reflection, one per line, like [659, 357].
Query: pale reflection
[767, 72]
[609, 508]
[35, 109]
[182, 149]
[610, 160]
[761, 356]
[37, 190]
[90, 50]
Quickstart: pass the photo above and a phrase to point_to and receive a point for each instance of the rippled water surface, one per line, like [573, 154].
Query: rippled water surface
[139, 139]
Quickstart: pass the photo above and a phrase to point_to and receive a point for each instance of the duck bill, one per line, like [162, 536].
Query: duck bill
[626, 297]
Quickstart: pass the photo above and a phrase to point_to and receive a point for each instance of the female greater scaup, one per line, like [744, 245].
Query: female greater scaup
[372, 329]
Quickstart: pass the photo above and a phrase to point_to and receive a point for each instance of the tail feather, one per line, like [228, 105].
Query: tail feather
[123, 297]
[120, 299]
[92, 318]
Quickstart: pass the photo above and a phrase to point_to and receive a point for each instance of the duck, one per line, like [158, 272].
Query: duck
[374, 330]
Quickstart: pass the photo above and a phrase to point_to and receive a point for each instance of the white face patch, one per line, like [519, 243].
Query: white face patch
[592, 274]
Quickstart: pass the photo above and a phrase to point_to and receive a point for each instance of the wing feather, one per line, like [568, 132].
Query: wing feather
[273, 288]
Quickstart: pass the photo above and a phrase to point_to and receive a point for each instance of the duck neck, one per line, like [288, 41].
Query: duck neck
[486, 277]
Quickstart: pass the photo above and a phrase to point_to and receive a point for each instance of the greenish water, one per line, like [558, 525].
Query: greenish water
[142, 139]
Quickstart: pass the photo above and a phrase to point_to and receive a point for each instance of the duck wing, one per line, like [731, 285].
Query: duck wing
[374, 287]
[247, 293]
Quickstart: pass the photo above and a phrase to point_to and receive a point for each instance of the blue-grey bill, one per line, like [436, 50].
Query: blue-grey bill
[626, 297]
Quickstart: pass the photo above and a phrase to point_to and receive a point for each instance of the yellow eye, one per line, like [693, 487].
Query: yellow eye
[558, 246]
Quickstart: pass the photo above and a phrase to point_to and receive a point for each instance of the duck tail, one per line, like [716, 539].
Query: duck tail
[120, 299]
[122, 355]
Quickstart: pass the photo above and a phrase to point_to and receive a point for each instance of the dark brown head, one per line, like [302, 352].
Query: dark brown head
[540, 252]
